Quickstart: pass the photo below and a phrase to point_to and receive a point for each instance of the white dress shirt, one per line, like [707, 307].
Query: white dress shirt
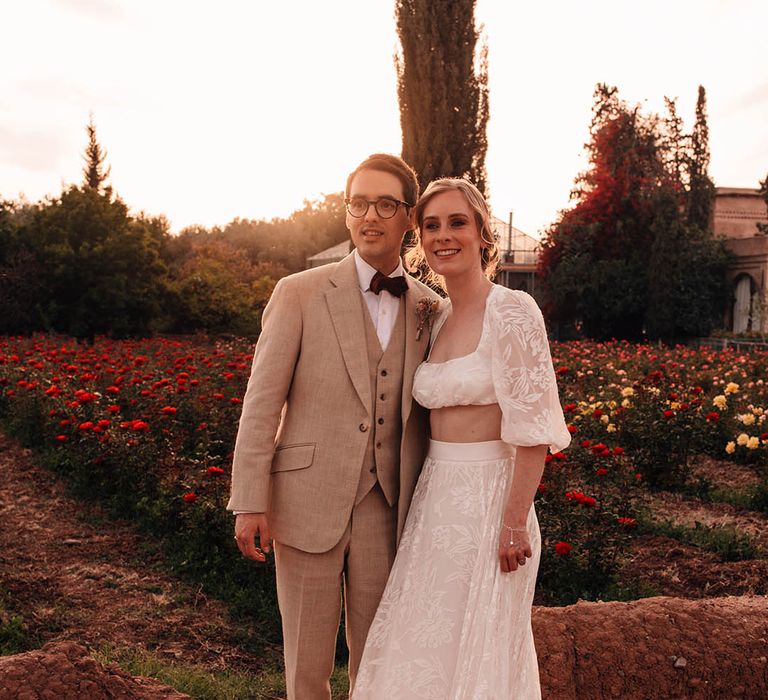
[384, 306]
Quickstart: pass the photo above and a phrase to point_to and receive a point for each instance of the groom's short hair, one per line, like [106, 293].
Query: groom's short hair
[390, 164]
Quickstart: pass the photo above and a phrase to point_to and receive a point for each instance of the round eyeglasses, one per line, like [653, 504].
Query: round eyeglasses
[386, 207]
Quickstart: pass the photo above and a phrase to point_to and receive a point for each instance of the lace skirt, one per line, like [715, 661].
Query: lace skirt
[451, 625]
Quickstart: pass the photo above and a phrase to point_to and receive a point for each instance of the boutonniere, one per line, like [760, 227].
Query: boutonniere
[426, 309]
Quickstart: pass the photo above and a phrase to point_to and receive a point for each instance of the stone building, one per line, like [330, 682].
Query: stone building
[736, 213]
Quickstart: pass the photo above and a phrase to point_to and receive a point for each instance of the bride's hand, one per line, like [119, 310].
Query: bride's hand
[514, 548]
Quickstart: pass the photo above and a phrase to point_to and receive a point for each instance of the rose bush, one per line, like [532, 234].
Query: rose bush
[147, 427]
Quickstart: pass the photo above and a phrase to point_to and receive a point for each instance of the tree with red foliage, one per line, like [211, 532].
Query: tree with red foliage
[595, 261]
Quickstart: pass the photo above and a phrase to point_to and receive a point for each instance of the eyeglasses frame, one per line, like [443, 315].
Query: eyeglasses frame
[375, 203]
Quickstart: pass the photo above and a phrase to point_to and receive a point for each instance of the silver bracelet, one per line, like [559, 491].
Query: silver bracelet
[512, 530]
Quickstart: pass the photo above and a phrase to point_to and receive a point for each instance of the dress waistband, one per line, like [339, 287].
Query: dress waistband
[469, 451]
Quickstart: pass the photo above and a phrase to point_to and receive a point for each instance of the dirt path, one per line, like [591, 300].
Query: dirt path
[73, 575]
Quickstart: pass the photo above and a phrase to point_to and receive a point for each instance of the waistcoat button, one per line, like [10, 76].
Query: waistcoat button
[363, 427]
[381, 421]
[383, 373]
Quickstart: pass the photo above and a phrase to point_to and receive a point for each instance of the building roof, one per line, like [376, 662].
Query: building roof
[737, 192]
[336, 252]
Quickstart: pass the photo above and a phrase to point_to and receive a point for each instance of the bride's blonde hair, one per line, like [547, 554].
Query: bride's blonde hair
[415, 259]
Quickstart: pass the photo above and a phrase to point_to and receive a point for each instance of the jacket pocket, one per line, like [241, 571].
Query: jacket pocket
[290, 457]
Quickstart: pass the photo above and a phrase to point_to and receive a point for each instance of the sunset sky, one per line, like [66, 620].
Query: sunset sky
[244, 108]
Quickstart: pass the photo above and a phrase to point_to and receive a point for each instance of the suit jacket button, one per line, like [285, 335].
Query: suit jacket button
[383, 373]
[381, 421]
[363, 427]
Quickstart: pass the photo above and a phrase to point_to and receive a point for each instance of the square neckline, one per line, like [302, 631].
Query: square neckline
[479, 342]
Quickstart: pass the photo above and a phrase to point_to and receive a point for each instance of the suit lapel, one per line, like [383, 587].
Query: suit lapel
[415, 350]
[345, 304]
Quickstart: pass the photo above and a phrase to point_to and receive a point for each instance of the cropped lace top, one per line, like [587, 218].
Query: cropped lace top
[511, 366]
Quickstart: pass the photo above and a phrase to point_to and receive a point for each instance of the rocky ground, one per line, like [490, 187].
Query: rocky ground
[81, 582]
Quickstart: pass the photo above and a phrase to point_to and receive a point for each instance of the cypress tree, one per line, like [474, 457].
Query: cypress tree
[94, 175]
[701, 190]
[442, 89]
[763, 228]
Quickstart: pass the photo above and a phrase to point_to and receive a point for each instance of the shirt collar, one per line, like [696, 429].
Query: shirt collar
[365, 272]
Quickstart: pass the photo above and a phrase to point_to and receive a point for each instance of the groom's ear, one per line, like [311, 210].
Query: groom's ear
[412, 218]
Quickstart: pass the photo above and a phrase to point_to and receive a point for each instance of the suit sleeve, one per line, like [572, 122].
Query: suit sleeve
[274, 361]
[523, 375]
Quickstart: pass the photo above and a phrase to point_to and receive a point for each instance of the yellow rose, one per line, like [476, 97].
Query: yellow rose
[731, 388]
[627, 391]
[720, 401]
[743, 439]
[753, 443]
[604, 419]
[747, 419]
[730, 448]
[674, 405]
[626, 403]
[611, 428]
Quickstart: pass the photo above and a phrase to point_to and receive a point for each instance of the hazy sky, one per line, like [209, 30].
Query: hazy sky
[213, 110]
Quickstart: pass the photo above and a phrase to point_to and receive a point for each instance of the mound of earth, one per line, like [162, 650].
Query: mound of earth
[65, 671]
[654, 648]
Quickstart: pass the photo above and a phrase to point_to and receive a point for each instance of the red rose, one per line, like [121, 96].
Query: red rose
[618, 451]
[668, 413]
[169, 410]
[114, 408]
[190, 497]
[562, 549]
[570, 407]
[61, 438]
[628, 523]
[586, 443]
[713, 417]
[215, 471]
[88, 425]
[572, 429]
[602, 471]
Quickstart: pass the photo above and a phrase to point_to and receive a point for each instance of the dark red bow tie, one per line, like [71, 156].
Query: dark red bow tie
[396, 286]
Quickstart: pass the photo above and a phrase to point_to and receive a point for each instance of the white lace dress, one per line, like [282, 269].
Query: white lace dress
[451, 625]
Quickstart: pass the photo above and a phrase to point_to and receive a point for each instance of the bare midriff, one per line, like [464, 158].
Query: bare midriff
[466, 423]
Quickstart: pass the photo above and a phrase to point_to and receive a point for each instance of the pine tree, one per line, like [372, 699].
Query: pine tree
[94, 175]
[442, 89]
[701, 189]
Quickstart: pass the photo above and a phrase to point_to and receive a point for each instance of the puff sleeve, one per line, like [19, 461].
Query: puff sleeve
[523, 375]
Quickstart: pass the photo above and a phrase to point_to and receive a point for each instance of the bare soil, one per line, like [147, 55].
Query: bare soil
[76, 577]
[72, 574]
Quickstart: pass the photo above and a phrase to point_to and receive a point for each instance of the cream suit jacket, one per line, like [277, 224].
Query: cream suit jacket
[306, 416]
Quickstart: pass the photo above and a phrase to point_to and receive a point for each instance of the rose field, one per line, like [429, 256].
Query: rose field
[663, 489]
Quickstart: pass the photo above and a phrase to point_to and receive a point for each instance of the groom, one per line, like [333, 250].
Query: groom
[330, 442]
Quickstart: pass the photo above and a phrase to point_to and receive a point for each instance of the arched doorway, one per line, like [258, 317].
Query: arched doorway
[746, 305]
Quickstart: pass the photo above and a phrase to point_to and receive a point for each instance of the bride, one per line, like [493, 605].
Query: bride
[455, 618]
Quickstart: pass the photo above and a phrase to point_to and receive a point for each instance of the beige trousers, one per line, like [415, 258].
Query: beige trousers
[309, 591]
